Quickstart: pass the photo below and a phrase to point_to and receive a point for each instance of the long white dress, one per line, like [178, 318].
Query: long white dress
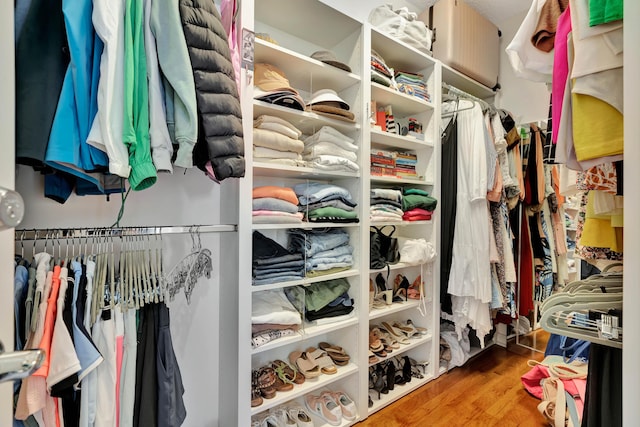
[470, 279]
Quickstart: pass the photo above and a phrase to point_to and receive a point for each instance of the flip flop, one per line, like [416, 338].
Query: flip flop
[339, 356]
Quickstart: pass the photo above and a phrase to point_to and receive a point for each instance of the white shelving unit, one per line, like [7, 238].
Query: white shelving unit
[351, 41]
[399, 56]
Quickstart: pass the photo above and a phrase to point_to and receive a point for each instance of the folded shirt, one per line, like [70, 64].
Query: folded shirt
[277, 260]
[336, 203]
[318, 264]
[411, 201]
[312, 192]
[286, 162]
[270, 153]
[333, 270]
[384, 209]
[329, 134]
[276, 219]
[276, 141]
[265, 250]
[320, 294]
[274, 280]
[415, 191]
[331, 212]
[329, 148]
[277, 124]
[273, 204]
[265, 213]
[379, 201]
[283, 193]
[273, 307]
[326, 161]
[417, 218]
[328, 312]
[385, 218]
[386, 193]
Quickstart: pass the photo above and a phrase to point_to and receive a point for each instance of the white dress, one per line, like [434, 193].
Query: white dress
[470, 279]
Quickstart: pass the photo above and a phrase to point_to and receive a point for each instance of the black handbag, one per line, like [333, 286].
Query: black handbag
[384, 248]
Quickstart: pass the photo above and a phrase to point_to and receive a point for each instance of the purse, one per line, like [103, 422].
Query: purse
[384, 248]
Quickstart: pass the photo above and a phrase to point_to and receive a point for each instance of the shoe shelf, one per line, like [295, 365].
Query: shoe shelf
[286, 171]
[413, 343]
[397, 392]
[324, 75]
[308, 386]
[393, 308]
[347, 273]
[306, 121]
[392, 140]
[308, 331]
[396, 266]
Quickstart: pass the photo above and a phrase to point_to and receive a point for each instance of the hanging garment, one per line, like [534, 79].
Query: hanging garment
[220, 136]
[145, 412]
[544, 35]
[105, 375]
[448, 207]
[41, 61]
[67, 149]
[603, 401]
[135, 129]
[228, 14]
[470, 278]
[128, 371]
[603, 11]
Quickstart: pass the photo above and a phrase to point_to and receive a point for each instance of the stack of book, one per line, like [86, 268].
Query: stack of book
[383, 163]
[406, 165]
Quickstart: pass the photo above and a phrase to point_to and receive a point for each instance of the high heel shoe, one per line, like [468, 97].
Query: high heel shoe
[406, 369]
[383, 293]
[400, 288]
[376, 381]
[391, 375]
[414, 291]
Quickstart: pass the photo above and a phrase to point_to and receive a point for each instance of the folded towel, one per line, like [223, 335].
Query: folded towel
[283, 193]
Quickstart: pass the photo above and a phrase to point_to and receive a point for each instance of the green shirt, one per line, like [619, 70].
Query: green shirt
[603, 11]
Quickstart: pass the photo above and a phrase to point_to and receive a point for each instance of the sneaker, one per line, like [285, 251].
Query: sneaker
[347, 406]
[301, 416]
[284, 418]
[324, 407]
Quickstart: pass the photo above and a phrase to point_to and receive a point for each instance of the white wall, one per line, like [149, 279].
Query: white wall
[528, 101]
[176, 199]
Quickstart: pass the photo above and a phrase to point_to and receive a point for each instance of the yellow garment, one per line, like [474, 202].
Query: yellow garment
[597, 128]
[598, 231]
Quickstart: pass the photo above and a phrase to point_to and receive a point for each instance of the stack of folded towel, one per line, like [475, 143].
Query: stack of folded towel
[276, 141]
[272, 204]
[273, 263]
[272, 317]
[412, 84]
[386, 205]
[326, 251]
[417, 205]
[328, 149]
[325, 202]
[324, 302]
[380, 72]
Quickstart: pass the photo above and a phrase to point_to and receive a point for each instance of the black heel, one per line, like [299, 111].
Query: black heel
[402, 288]
[406, 369]
[382, 384]
[391, 375]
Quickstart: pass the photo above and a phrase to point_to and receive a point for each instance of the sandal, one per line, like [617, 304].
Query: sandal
[287, 372]
[283, 382]
[256, 397]
[395, 333]
[375, 345]
[308, 367]
[372, 358]
[406, 328]
[414, 290]
[336, 353]
[266, 377]
[420, 329]
[322, 359]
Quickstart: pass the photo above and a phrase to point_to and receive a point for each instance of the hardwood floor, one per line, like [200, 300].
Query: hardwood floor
[486, 391]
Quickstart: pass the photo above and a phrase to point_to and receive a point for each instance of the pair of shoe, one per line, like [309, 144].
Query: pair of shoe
[332, 406]
[312, 362]
[293, 416]
[336, 353]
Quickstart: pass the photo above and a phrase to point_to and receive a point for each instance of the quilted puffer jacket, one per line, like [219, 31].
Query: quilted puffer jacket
[220, 139]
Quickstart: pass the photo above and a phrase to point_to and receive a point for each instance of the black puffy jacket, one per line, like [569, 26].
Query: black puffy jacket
[220, 137]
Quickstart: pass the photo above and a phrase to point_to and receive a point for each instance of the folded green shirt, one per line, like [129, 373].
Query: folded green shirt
[331, 212]
[319, 294]
[411, 201]
[415, 191]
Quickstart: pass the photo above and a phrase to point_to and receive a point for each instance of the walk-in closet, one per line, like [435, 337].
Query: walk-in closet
[272, 213]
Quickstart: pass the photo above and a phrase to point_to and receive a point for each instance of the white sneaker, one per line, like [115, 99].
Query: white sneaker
[324, 407]
[284, 418]
[347, 406]
[301, 416]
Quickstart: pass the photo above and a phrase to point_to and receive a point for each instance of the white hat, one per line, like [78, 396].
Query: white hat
[327, 95]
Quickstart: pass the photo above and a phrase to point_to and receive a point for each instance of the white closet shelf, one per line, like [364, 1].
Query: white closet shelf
[392, 140]
[395, 307]
[286, 171]
[466, 84]
[309, 331]
[399, 223]
[306, 281]
[403, 105]
[394, 180]
[304, 225]
[396, 266]
[397, 392]
[306, 121]
[398, 54]
[303, 71]
[306, 387]
[413, 343]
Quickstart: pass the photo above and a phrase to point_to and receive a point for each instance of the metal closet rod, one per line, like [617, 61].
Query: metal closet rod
[82, 232]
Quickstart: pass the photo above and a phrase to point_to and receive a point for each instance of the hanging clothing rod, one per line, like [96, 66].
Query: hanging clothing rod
[74, 233]
[455, 91]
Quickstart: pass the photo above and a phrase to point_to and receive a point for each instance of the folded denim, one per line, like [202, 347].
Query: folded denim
[264, 247]
[261, 274]
[335, 203]
[330, 198]
[317, 267]
[319, 294]
[334, 270]
[315, 191]
[273, 204]
[287, 264]
[283, 273]
[277, 260]
[318, 240]
[343, 299]
[335, 252]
